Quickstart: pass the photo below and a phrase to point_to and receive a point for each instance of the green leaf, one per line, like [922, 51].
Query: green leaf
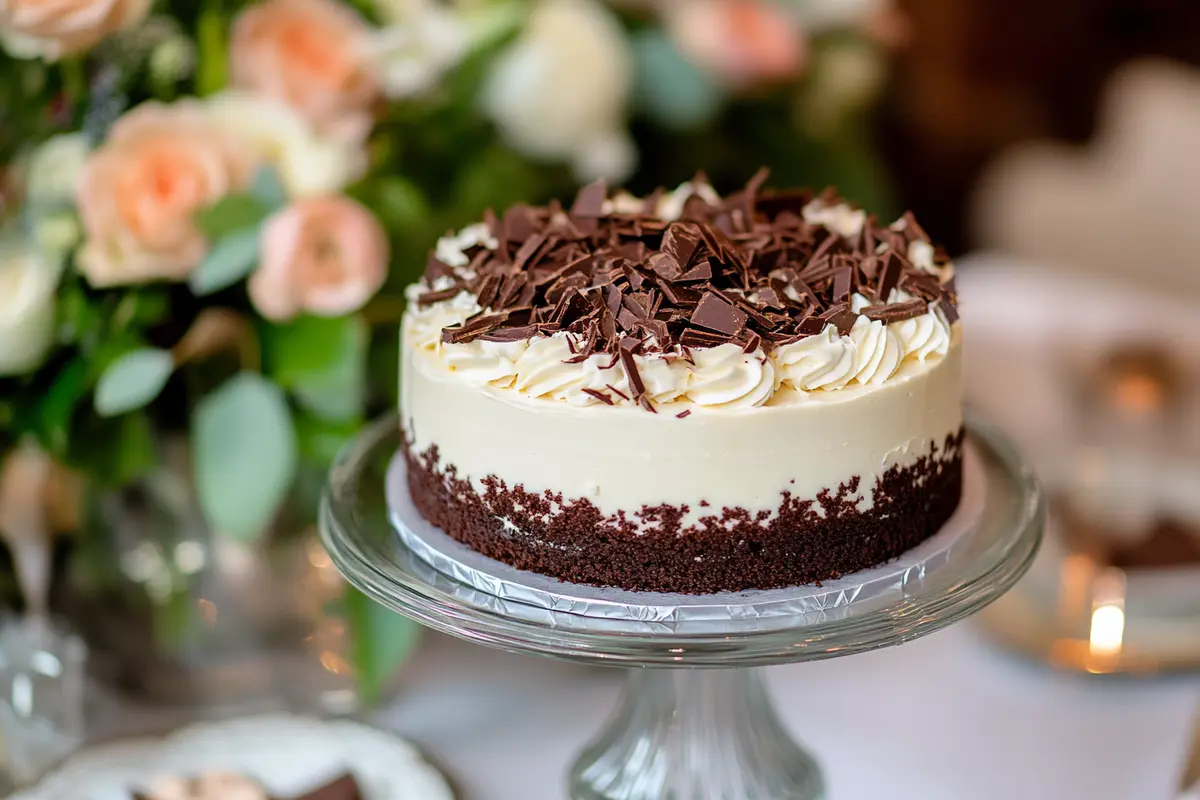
[382, 640]
[132, 381]
[268, 189]
[244, 451]
[233, 258]
[57, 406]
[323, 361]
[400, 204]
[311, 347]
[322, 439]
[232, 214]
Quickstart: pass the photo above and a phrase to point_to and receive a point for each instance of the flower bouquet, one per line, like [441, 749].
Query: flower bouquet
[208, 209]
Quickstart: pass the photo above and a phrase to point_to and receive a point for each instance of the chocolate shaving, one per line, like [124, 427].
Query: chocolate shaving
[684, 414]
[895, 312]
[717, 314]
[438, 296]
[842, 316]
[601, 396]
[631, 370]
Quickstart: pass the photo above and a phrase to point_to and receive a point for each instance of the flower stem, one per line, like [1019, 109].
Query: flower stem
[75, 83]
[211, 45]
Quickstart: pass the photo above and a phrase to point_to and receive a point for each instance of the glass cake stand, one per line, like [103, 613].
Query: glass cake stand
[700, 725]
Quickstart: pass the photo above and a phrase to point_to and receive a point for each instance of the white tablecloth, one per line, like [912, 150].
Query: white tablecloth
[944, 718]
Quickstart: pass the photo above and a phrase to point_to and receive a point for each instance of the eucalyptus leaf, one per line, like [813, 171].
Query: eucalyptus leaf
[245, 455]
[268, 189]
[132, 381]
[233, 258]
[231, 214]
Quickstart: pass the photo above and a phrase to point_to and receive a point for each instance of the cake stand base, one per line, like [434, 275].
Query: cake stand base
[695, 720]
[695, 734]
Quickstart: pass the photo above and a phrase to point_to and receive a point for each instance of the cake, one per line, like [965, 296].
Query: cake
[685, 392]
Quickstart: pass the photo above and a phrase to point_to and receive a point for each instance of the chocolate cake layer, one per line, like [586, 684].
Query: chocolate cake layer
[731, 549]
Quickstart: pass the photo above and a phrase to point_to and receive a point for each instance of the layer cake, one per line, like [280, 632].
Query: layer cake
[685, 392]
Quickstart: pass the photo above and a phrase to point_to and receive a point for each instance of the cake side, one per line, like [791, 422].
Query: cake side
[801, 541]
[685, 392]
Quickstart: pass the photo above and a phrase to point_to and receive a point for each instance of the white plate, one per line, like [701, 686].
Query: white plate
[288, 755]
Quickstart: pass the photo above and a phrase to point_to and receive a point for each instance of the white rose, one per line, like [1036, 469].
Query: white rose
[28, 281]
[422, 41]
[309, 164]
[53, 169]
[562, 90]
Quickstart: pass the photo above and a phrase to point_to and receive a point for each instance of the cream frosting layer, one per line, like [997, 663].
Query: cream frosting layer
[621, 458]
[872, 353]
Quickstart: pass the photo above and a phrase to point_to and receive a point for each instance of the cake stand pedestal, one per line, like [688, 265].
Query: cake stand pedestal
[695, 720]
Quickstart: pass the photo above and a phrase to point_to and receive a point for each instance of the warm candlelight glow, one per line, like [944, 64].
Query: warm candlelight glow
[1107, 636]
[1108, 630]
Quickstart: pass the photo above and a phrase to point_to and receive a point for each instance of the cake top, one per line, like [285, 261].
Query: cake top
[648, 276]
[622, 283]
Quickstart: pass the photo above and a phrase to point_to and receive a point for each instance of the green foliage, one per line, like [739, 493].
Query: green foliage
[244, 455]
[232, 258]
[323, 362]
[132, 381]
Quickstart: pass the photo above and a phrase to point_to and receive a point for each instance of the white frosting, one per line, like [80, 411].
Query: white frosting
[736, 455]
[922, 337]
[825, 361]
[542, 372]
[841, 218]
[726, 378]
[452, 250]
[423, 324]
[876, 351]
[670, 207]
[485, 362]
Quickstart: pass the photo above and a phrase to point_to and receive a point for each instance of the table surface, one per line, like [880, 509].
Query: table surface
[944, 718]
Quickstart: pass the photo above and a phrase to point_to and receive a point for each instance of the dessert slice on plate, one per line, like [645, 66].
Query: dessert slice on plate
[273, 757]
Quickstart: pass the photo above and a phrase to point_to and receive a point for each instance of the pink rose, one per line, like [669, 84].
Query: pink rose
[310, 54]
[52, 29]
[739, 42]
[138, 192]
[323, 255]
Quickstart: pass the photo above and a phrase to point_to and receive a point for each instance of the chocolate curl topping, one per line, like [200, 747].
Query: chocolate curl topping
[746, 270]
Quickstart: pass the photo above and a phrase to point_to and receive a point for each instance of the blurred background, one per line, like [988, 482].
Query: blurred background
[209, 209]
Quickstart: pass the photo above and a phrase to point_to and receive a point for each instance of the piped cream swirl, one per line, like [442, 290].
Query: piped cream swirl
[726, 377]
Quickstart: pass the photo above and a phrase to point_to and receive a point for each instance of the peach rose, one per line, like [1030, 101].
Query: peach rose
[52, 29]
[739, 42]
[311, 54]
[139, 192]
[322, 255]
